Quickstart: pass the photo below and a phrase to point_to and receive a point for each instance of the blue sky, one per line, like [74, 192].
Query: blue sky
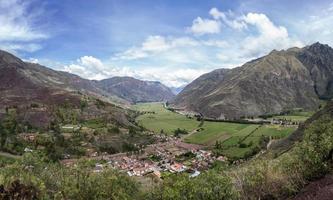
[173, 41]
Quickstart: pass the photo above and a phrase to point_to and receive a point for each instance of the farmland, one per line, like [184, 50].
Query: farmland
[237, 140]
[296, 116]
[159, 119]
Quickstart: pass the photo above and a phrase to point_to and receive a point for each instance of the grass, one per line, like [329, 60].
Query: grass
[160, 118]
[275, 131]
[94, 123]
[6, 158]
[297, 116]
[213, 131]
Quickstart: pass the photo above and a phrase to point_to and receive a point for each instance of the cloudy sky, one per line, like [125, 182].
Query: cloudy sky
[172, 41]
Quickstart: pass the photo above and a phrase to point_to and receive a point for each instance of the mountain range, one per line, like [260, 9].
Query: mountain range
[21, 79]
[134, 90]
[278, 82]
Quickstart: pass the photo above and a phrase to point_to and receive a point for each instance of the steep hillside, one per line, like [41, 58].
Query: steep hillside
[134, 90]
[280, 81]
[35, 93]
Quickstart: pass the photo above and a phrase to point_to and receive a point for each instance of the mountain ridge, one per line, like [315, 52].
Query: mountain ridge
[135, 90]
[279, 81]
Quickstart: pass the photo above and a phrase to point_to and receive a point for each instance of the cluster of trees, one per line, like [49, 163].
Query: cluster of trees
[178, 132]
[9, 129]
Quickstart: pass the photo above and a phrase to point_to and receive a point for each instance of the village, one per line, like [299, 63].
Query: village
[170, 156]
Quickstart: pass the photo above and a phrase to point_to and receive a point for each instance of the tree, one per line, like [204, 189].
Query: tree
[132, 131]
[9, 130]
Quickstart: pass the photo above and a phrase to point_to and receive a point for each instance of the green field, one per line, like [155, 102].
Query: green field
[231, 135]
[213, 131]
[163, 119]
[297, 116]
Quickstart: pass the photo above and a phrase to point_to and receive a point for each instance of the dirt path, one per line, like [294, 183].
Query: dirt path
[191, 133]
[321, 189]
[8, 155]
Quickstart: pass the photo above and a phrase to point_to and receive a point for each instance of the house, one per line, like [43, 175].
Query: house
[177, 167]
[195, 174]
[27, 150]
[221, 158]
[157, 173]
[98, 168]
[29, 137]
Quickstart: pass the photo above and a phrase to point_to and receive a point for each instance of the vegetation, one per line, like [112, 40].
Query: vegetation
[178, 132]
[54, 181]
[294, 116]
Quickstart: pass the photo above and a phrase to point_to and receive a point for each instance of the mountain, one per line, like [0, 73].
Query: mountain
[177, 90]
[134, 90]
[277, 82]
[36, 93]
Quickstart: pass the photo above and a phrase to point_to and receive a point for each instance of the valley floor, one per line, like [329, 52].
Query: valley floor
[236, 140]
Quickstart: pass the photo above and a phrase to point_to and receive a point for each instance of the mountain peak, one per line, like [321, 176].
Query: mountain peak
[318, 47]
[9, 58]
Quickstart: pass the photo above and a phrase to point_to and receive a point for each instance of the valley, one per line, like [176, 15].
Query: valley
[58, 126]
[166, 100]
[234, 140]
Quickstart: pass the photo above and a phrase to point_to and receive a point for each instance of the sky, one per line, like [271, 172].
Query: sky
[171, 41]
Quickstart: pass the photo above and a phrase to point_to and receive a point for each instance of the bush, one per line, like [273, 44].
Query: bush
[208, 186]
[179, 132]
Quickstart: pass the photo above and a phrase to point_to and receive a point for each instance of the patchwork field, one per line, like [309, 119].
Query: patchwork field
[297, 116]
[237, 139]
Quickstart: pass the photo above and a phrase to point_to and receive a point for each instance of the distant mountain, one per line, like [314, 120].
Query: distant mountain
[177, 90]
[134, 90]
[280, 81]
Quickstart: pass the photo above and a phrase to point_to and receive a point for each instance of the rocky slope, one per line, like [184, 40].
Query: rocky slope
[134, 90]
[280, 81]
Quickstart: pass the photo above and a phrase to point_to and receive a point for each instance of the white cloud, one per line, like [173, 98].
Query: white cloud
[236, 23]
[155, 44]
[91, 61]
[32, 60]
[204, 26]
[88, 67]
[269, 36]
[173, 49]
[92, 68]
[330, 8]
[317, 27]
[17, 29]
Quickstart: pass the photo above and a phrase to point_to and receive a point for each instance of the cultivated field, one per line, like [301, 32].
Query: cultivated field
[160, 119]
[300, 116]
[231, 135]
